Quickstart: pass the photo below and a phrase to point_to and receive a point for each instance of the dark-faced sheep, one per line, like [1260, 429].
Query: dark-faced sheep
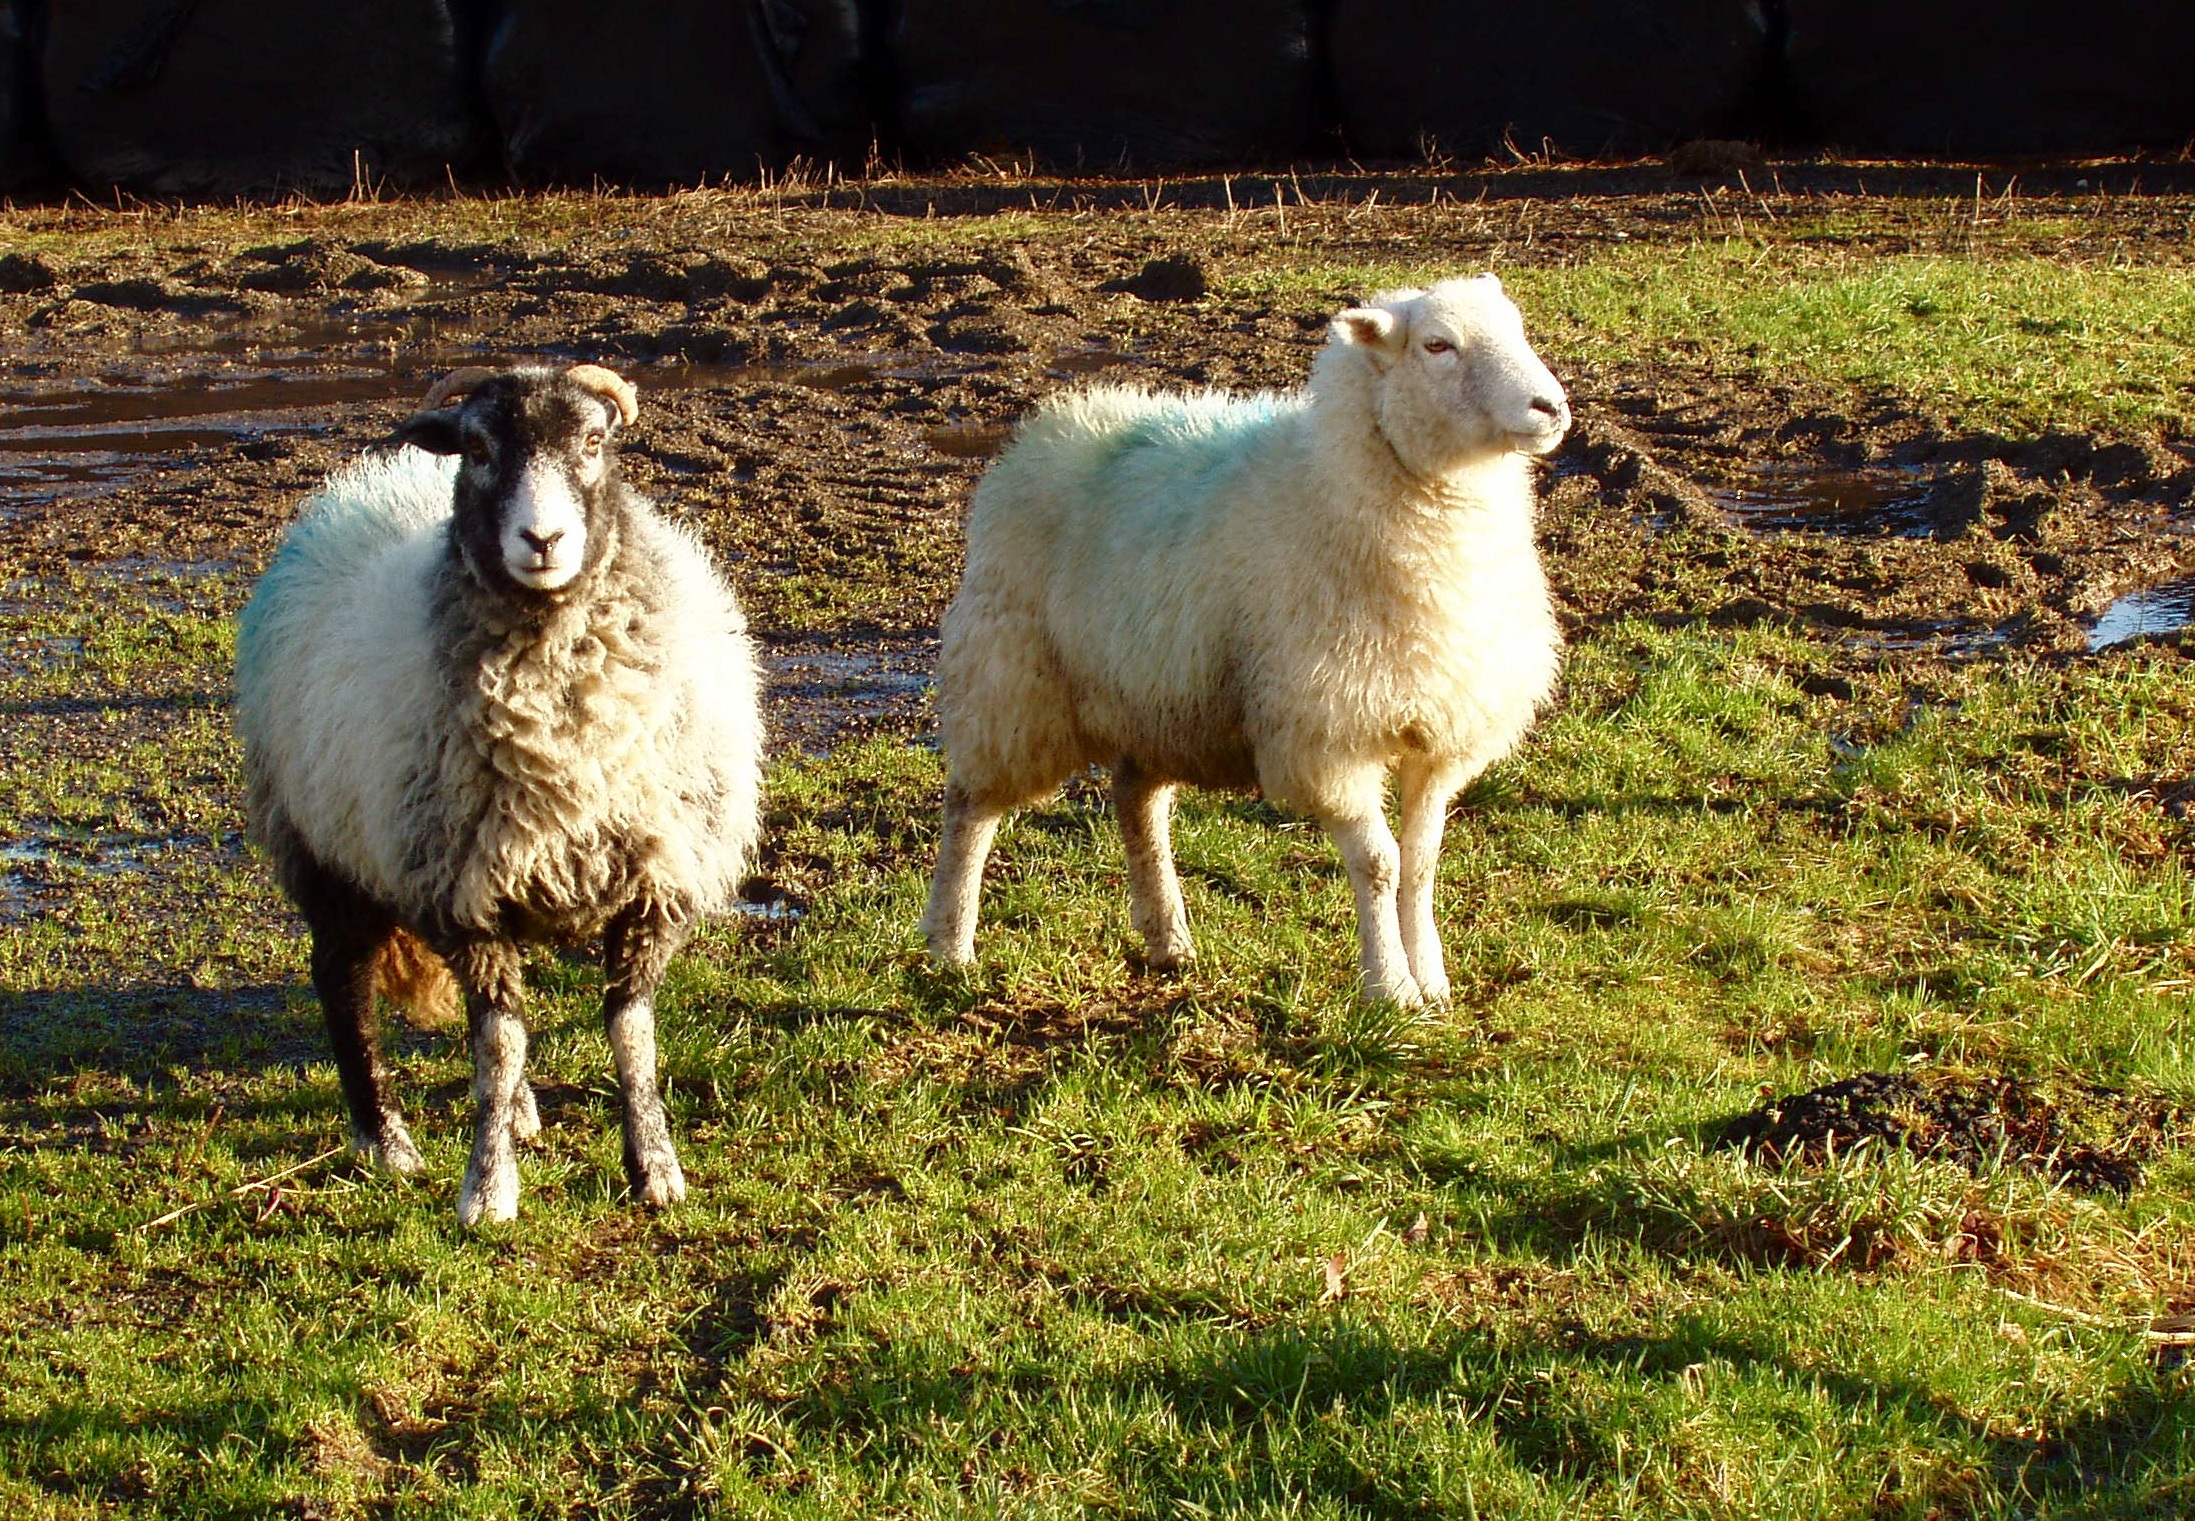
[488, 697]
[1302, 593]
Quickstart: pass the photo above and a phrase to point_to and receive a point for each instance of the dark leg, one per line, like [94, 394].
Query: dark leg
[635, 952]
[492, 974]
[348, 931]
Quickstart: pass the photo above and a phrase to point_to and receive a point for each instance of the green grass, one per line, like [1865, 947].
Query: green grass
[1054, 1238]
[2011, 341]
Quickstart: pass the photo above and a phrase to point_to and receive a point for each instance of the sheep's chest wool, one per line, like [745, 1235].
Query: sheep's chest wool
[543, 808]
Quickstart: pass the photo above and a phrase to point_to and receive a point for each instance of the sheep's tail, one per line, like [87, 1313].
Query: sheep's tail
[409, 974]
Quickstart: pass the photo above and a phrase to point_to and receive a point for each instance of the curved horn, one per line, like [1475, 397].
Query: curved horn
[611, 386]
[456, 383]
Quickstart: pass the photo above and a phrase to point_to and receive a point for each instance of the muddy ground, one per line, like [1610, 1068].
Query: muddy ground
[822, 387]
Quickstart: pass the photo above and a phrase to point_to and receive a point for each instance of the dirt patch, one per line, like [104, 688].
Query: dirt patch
[2092, 1138]
[1688, 496]
[822, 386]
[820, 694]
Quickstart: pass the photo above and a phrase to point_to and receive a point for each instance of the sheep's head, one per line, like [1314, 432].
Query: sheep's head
[1453, 378]
[537, 486]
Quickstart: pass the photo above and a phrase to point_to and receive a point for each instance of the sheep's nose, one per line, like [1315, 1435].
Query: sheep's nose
[541, 543]
[1549, 407]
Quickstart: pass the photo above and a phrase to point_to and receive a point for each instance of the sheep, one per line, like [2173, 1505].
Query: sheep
[1295, 592]
[488, 697]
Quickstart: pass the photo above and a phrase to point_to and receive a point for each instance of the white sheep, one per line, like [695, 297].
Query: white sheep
[486, 697]
[1300, 593]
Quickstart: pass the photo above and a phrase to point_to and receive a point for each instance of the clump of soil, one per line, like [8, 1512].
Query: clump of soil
[2091, 1138]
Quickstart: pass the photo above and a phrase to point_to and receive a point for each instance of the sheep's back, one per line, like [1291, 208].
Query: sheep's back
[336, 677]
[1117, 520]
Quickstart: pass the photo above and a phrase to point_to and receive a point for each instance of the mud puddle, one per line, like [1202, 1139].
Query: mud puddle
[1782, 496]
[90, 439]
[2162, 609]
[81, 437]
[850, 373]
[42, 866]
[106, 855]
[818, 696]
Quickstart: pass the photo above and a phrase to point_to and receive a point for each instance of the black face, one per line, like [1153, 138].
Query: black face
[537, 479]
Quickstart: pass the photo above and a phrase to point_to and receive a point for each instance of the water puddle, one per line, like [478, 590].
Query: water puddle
[2153, 610]
[45, 866]
[109, 855]
[75, 439]
[816, 697]
[68, 439]
[868, 369]
[1780, 497]
[1087, 361]
[968, 440]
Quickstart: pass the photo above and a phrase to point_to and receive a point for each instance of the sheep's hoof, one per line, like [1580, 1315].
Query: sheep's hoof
[946, 953]
[393, 1151]
[659, 1184]
[1403, 993]
[1435, 990]
[1165, 960]
[525, 1114]
[490, 1200]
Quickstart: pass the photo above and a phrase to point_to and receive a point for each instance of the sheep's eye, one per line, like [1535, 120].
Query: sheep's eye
[477, 451]
[593, 442]
[1437, 345]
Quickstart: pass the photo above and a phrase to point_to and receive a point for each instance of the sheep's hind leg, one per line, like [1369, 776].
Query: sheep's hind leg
[1145, 807]
[1426, 789]
[964, 844]
[494, 979]
[1368, 850]
[348, 932]
[636, 951]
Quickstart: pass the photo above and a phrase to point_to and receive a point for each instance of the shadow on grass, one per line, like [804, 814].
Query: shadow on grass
[143, 1031]
[70, 707]
[243, 1455]
[1299, 1401]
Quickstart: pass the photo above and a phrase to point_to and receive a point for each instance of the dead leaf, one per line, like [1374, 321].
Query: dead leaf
[1415, 1235]
[1336, 1266]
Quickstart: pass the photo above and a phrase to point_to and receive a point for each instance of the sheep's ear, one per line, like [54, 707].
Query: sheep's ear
[435, 432]
[1372, 327]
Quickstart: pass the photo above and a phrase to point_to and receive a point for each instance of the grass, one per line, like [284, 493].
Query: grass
[2010, 341]
[1056, 1238]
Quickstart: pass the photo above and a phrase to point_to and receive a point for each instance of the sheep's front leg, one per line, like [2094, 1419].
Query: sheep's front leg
[636, 952]
[1368, 850]
[1146, 809]
[1427, 788]
[349, 931]
[493, 975]
[949, 923]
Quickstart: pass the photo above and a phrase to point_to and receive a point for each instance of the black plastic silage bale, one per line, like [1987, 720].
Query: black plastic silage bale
[1587, 79]
[18, 159]
[1106, 84]
[248, 96]
[677, 91]
[1893, 77]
